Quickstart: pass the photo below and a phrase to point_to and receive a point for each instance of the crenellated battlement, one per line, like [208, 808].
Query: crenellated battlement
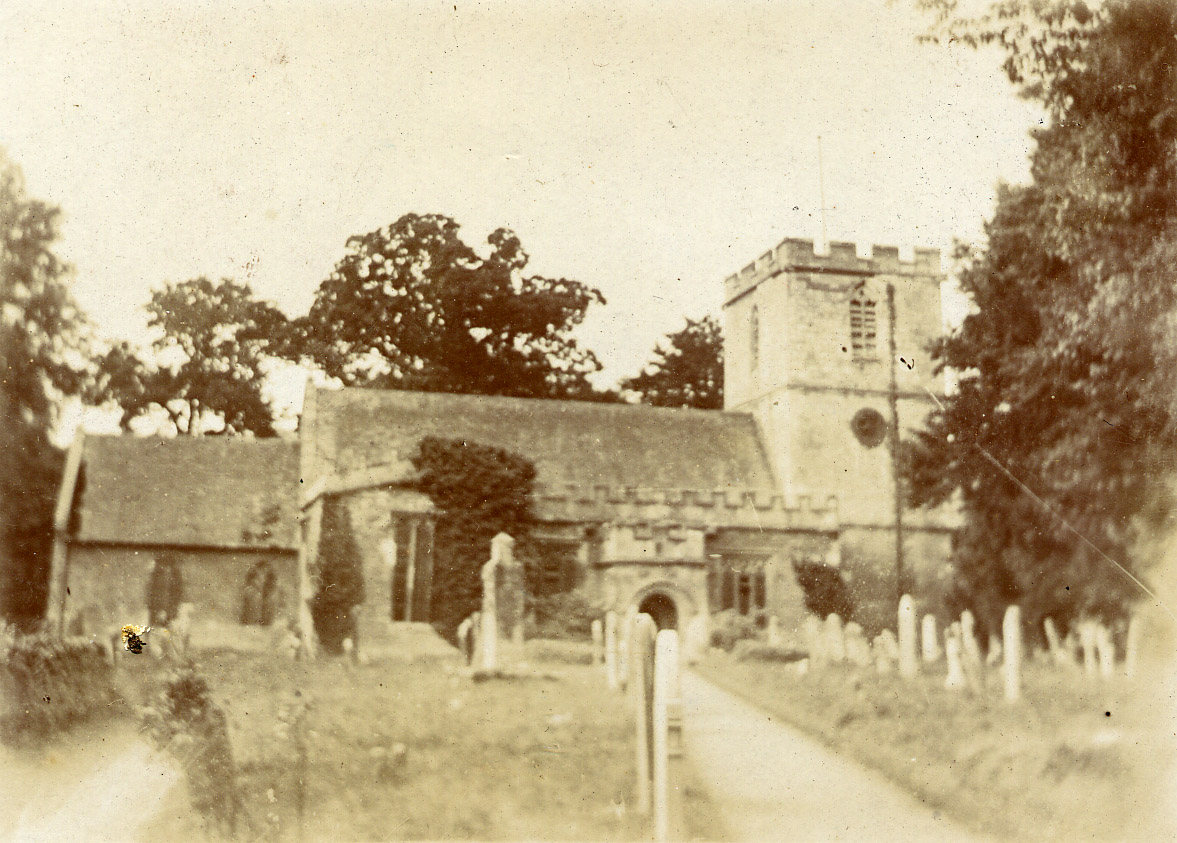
[724, 507]
[798, 255]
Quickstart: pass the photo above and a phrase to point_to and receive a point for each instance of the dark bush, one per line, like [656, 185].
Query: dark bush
[184, 721]
[825, 591]
[340, 575]
[50, 684]
[565, 616]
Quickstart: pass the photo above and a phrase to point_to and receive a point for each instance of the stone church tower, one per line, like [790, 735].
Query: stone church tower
[829, 353]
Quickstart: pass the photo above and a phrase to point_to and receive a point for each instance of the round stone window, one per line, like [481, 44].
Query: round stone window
[869, 426]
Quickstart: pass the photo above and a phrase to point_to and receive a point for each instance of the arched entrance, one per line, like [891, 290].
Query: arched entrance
[661, 607]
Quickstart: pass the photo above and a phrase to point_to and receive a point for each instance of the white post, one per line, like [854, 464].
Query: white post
[640, 665]
[908, 665]
[1011, 628]
[667, 733]
[930, 640]
[598, 641]
[611, 650]
[490, 615]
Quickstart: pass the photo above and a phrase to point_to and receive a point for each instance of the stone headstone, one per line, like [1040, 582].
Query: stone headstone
[858, 650]
[502, 604]
[598, 632]
[466, 639]
[993, 653]
[667, 738]
[641, 690]
[908, 663]
[775, 639]
[890, 644]
[815, 641]
[1105, 648]
[835, 642]
[1011, 634]
[930, 640]
[955, 678]
[611, 647]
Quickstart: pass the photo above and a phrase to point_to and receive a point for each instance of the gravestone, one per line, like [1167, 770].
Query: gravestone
[930, 640]
[641, 690]
[1057, 652]
[1011, 633]
[970, 649]
[815, 642]
[955, 678]
[466, 637]
[908, 664]
[611, 650]
[667, 735]
[502, 605]
[697, 638]
[993, 654]
[835, 642]
[598, 632]
[857, 647]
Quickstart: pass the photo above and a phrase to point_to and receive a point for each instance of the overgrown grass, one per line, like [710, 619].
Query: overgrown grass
[418, 751]
[1074, 759]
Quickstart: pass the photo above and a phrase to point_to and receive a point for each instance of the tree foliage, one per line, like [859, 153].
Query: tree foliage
[411, 306]
[206, 370]
[1060, 435]
[686, 370]
[479, 492]
[339, 578]
[42, 347]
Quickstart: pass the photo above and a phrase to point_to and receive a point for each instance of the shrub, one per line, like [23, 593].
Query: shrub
[568, 615]
[729, 627]
[340, 576]
[825, 590]
[184, 721]
[51, 684]
[479, 491]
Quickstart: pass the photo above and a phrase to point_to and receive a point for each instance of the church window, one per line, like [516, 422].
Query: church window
[862, 325]
[754, 338]
[259, 595]
[738, 584]
[165, 590]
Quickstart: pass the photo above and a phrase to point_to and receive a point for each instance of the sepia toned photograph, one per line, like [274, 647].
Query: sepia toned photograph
[708, 420]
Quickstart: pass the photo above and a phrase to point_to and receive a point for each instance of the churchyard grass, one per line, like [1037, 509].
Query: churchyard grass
[1072, 759]
[419, 751]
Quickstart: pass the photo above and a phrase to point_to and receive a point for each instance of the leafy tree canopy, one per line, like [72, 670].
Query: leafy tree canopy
[207, 367]
[1066, 366]
[42, 360]
[411, 306]
[686, 370]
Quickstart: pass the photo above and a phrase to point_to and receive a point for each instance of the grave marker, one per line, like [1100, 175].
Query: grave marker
[908, 664]
[815, 642]
[598, 633]
[1011, 630]
[930, 640]
[834, 640]
[1105, 648]
[611, 650]
[667, 790]
[955, 678]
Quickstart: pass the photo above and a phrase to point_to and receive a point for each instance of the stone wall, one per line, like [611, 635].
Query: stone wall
[107, 586]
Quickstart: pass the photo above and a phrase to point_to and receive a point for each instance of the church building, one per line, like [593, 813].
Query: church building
[678, 513]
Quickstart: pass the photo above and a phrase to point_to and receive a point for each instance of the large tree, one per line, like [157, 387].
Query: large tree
[686, 369]
[42, 345]
[206, 369]
[411, 306]
[1059, 437]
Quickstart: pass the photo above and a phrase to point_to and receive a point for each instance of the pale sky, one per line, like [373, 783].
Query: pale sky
[647, 149]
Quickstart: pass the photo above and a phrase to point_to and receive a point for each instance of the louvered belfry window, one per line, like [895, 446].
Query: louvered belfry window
[862, 325]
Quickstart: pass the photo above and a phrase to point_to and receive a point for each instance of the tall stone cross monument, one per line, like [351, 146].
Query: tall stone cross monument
[502, 605]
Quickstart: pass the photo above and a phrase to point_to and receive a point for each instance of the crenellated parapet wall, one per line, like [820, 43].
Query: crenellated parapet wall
[711, 508]
[798, 255]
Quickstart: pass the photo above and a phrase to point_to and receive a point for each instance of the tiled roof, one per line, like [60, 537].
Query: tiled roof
[571, 443]
[206, 492]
